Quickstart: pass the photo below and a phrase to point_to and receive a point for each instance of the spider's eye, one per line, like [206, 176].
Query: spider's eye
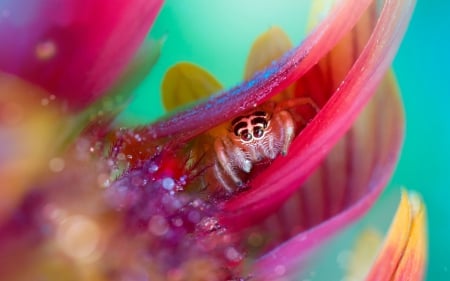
[245, 135]
[258, 132]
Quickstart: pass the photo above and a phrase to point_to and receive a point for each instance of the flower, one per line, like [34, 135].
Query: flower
[146, 203]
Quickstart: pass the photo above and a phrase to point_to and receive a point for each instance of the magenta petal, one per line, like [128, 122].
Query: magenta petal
[308, 253]
[376, 136]
[271, 188]
[264, 85]
[74, 49]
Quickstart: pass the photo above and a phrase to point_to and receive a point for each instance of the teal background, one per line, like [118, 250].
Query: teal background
[422, 67]
[218, 36]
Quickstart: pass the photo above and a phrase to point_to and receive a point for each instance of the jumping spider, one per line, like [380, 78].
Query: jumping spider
[260, 135]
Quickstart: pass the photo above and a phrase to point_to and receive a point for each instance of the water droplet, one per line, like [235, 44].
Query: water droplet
[232, 254]
[103, 180]
[178, 222]
[45, 50]
[153, 168]
[56, 164]
[280, 269]
[158, 225]
[194, 216]
[168, 183]
[197, 203]
[182, 180]
[138, 137]
[45, 101]
[208, 224]
[78, 237]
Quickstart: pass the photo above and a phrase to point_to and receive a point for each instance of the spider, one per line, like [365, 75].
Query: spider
[261, 135]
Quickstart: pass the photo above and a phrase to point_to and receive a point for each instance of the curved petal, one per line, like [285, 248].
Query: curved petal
[95, 119]
[403, 255]
[74, 50]
[268, 47]
[185, 83]
[367, 177]
[272, 187]
[264, 85]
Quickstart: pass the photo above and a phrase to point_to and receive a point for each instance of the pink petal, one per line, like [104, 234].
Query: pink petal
[74, 49]
[272, 187]
[308, 217]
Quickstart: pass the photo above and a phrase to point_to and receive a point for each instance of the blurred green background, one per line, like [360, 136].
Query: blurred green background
[218, 36]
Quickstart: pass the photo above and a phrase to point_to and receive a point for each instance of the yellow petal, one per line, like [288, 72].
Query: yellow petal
[403, 256]
[412, 264]
[185, 83]
[29, 122]
[269, 46]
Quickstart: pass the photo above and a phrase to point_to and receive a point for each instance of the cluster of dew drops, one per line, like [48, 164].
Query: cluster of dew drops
[179, 228]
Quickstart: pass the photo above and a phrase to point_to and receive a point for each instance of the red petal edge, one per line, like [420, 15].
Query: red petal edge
[388, 132]
[284, 176]
[263, 85]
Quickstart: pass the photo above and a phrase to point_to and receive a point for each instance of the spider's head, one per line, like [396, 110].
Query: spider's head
[250, 127]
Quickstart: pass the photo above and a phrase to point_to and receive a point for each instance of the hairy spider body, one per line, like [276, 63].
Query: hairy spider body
[261, 135]
[252, 139]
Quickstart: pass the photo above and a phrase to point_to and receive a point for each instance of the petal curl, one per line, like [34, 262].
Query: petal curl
[403, 256]
[306, 220]
[272, 187]
[264, 85]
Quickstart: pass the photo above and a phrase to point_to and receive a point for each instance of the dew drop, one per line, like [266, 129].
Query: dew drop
[45, 50]
[280, 269]
[78, 237]
[232, 254]
[194, 216]
[168, 183]
[178, 222]
[208, 224]
[153, 168]
[138, 137]
[158, 225]
[45, 101]
[103, 180]
[56, 164]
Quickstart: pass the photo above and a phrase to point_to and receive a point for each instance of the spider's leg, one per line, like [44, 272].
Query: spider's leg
[225, 162]
[221, 178]
[296, 102]
[240, 157]
[288, 125]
